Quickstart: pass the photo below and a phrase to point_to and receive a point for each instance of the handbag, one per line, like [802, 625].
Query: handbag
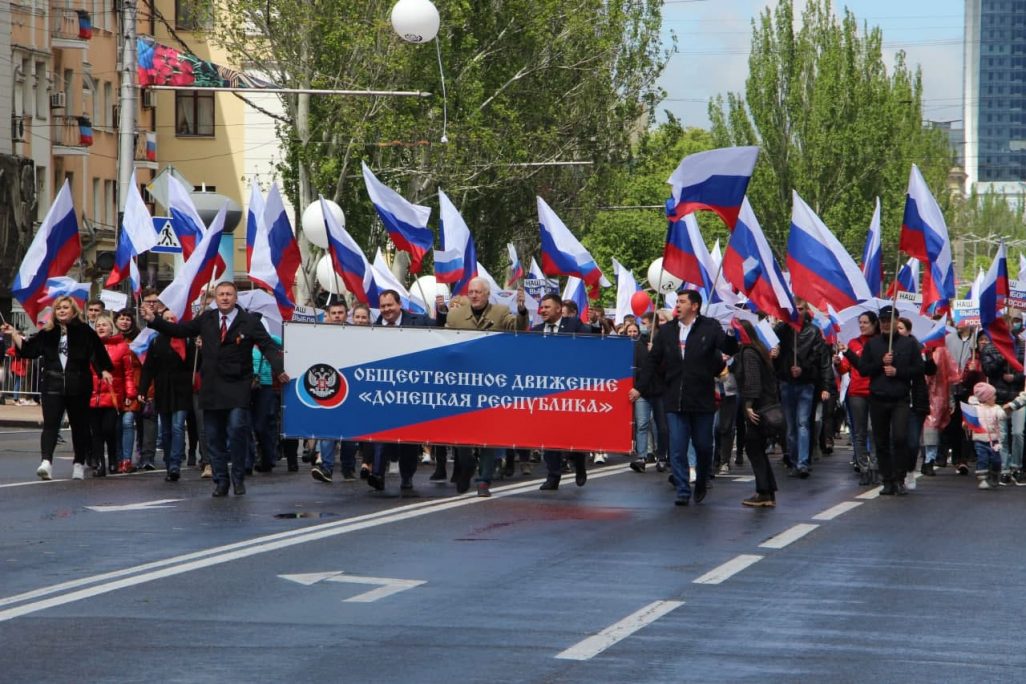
[771, 418]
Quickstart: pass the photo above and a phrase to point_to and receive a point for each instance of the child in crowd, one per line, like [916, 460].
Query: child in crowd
[987, 441]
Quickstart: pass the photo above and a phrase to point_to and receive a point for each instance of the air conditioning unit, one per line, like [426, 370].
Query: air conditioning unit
[58, 100]
[149, 98]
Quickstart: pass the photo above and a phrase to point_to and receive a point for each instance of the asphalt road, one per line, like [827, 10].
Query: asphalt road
[300, 581]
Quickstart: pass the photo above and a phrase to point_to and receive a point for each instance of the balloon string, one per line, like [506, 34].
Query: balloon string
[445, 107]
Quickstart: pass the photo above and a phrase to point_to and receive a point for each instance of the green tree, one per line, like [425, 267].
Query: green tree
[530, 84]
[832, 124]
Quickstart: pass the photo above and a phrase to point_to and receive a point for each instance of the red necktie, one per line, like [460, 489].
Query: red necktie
[178, 344]
[224, 327]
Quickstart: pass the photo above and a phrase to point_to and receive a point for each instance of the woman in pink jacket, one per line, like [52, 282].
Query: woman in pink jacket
[941, 406]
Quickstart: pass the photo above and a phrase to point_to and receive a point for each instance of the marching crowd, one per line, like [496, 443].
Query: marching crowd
[209, 393]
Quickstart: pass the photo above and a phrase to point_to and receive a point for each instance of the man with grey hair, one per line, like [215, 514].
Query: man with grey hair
[482, 315]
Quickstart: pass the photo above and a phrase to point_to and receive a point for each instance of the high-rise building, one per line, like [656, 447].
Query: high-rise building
[995, 96]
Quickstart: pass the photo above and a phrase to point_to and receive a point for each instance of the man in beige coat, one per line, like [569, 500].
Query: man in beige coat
[482, 315]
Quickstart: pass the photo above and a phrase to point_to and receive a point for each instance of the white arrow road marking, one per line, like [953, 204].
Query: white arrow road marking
[143, 506]
[387, 585]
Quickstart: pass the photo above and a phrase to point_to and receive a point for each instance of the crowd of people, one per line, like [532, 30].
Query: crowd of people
[704, 398]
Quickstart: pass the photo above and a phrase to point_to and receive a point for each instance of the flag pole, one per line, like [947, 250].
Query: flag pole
[719, 270]
[894, 304]
[428, 306]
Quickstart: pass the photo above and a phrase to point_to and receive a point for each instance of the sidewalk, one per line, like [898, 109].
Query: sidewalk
[13, 416]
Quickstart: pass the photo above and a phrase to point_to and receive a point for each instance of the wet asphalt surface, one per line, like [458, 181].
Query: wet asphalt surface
[186, 588]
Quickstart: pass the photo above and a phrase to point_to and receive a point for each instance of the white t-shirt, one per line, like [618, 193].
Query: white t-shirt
[62, 349]
[685, 330]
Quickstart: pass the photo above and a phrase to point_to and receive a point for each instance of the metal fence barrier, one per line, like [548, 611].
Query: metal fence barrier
[19, 380]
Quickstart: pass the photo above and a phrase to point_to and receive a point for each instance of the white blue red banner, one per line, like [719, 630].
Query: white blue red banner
[437, 386]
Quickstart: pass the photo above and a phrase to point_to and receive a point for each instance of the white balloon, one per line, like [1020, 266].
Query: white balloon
[427, 286]
[327, 278]
[416, 21]
[313, 222]
[669, 282]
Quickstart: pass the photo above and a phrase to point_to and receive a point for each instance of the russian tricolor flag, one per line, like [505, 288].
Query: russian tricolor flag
[563, 254]
[186, 221]
[140, 346]
[271, 248]
[254, 216]
[971, 418]
[822, 271]
[908, 278]
[935, 338]
[575, 292]
[406, 223]
[151, 146]
[872, 254]
[53, 251]
[749, 265]
[348, 260]
[535, 270]
[716, 180]
[456, 262]
[924, 235]
[516, 269]
[992, 301]
[199, 270]
[64, 286]
[626, 286]
[685, 255]
[137, 236]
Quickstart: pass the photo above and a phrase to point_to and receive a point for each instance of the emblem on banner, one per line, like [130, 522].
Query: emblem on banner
[322, 386]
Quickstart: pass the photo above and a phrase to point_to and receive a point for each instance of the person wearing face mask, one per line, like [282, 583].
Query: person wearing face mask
[1007, 383]
[69, 350]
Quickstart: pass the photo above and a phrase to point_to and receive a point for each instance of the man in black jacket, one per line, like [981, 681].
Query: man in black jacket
[803, 372]
[553, 321]
[687, 354]
[228, 334]
[890, 373]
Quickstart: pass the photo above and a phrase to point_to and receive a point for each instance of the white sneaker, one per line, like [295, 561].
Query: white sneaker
[724, 470]
[45, 471]
[425, 457]
[910, 481]
[78, 472]
[393, 468]
[600, 458]
[692, 475]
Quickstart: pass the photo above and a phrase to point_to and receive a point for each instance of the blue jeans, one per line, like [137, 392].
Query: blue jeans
[127, 435]
[226, 433]
[642, 425]
[690, 429]
[1012, 440]
[987, 458]
[347, 456]
[172, 436]
[797, 403]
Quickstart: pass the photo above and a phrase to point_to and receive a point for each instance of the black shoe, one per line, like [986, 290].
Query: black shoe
[240, 489]
[638, 465]
[407, 484]
[364, 473]
[581, 478]
[249, 472]
[221, 489]
[376, 481]
[509, 468]
[888, 489]
[865, 478]
[899, 488]
[803, 472]
[263, 468]
[699, 494]
[99, 471]
[927, 469]
[739, 461]
[172, 476]
[308, 456]
[191, 460]
[660, 466]
[681, 501]
[549, 485]
[439, 475]
[293, 467]
[963, 469]
[320, 474]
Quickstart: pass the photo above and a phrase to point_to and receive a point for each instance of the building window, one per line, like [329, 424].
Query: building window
[193, 15]
[194, 113]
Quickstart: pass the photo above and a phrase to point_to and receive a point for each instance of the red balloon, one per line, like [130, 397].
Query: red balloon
[640, 302]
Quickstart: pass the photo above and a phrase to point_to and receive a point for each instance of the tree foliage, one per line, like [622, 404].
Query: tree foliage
[528, 83]
[833, 124]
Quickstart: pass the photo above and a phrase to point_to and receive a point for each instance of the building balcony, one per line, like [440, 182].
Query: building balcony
[66, 137]
[70, 29]
[144, 160]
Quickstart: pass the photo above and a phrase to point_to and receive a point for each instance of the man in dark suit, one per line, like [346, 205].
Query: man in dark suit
[228, 334]
[553, 321]
[687, 355]
[393, 316]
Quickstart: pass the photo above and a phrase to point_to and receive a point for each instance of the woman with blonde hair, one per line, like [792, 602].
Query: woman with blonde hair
[70, 350]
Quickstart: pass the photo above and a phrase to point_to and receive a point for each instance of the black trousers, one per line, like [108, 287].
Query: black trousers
[755, 447]
[408, 457]
[725, 423]
[103, 424]
[890, 436]
[554, 463]
[77, 408]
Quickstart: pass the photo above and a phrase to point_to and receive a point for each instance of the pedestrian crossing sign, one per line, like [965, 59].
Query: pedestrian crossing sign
[167, 240]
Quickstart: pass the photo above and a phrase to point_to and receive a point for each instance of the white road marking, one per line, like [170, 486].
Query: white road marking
[595, 644]
[744, 478]
[142, 506]
[839, 509]
[35, 482]
[724, 572]
[386, 585]
[68, 479]
[788, 536]
[870, 494]
[169, 567]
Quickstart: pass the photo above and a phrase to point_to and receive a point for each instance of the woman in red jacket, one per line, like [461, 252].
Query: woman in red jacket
[109, 399]
[858, 400]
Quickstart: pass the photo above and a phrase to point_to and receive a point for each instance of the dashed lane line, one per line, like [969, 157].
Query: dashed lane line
[596, 643]
[839, 509]
[788, 536]
[723, 572]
